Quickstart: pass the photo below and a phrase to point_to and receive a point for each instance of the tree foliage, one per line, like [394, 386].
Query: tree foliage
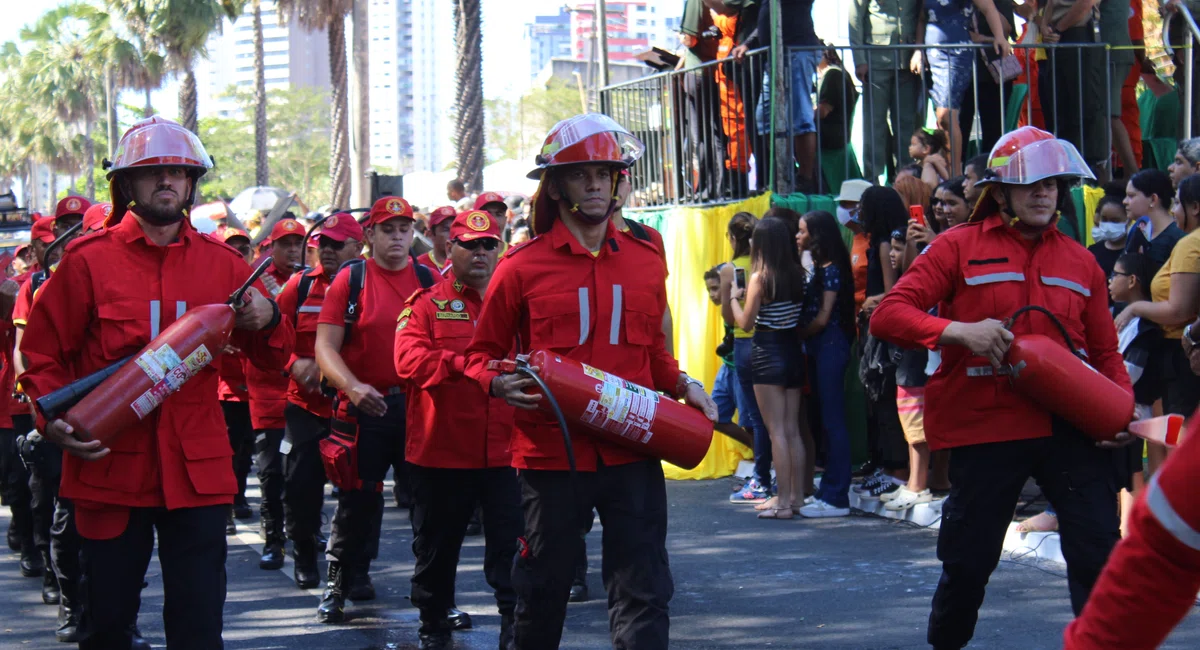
[298, 140]
[515, 129]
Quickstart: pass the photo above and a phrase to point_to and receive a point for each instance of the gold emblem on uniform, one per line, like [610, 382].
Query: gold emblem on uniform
[457, 305]
[441, 304]
[396, 206]
[458, 286]
[478, 221]
[289, 225]
[73, 204]
[405, 314]
[402, 325]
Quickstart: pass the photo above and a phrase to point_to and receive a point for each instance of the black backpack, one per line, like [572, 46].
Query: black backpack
[358, 270]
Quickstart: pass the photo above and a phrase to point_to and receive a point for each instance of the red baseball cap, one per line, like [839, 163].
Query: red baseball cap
[489, 197]
[230, 233]
[474, 224]
[72, 205]
[441, 214]
[387, 208]
[42, 230]
[340, 227]
[95, 216]
[283, 228]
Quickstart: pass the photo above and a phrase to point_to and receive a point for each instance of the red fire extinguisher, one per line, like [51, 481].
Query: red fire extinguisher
[1062, 382]
[614, 409]
[133, 388]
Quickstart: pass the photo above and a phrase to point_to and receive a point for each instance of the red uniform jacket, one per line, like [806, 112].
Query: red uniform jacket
[231, 378]
[306, 336]
[113, 293]
[20, 314]
[451, 422]
[268, 388]
[605, 311]
[983, 270]
[1151, 579]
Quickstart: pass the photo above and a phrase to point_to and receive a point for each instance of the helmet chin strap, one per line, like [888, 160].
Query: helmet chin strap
[574, 207]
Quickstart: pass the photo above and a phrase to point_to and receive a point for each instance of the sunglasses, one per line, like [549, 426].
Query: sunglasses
[487, 243]
[330, 243]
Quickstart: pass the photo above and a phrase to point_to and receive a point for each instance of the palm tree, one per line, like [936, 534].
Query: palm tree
[330, 15]
[362, 104]
[127, 65]
[468, 133]
[181, 28]
[57, 72]
[260, 98]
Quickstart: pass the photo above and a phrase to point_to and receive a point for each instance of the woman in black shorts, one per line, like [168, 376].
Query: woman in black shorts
[774, 300]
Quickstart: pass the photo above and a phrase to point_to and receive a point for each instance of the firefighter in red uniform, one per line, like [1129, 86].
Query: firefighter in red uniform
[587, 291]
[1152, 577]
[1008, 255]
[370, 400]
[308, 411]
[234, 396]
[439, 234]
[95, 216]
[268, 396]
[43, 477]
[457, 436]
[170, 476]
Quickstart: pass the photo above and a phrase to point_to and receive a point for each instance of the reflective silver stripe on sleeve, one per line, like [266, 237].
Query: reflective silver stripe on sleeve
[1161, 508]
[310, 309]
[180, 309]
[1067, 284]
[995, 277]
[614, 332]
[155, 318]
[585, 317]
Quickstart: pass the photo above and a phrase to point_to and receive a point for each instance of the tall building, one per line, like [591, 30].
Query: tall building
[412, 84]
[549, 37]
[292, 56]
[632, 27]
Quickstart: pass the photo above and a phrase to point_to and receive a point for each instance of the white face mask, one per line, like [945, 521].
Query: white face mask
[844, 216]
[1108, 231]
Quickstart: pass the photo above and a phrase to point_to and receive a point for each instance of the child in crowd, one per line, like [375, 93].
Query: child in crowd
[972, 174]
[912, 371]
[1109, 233]
[1137, 341]
[725, 388]
[928, 147]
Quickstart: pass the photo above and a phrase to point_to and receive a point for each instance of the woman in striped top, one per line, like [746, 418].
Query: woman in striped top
[773, 305]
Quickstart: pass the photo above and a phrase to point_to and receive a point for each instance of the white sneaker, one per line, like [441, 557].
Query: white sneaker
[906, 499]
[819, 508]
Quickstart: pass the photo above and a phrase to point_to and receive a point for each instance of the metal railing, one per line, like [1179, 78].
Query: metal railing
[704, 143]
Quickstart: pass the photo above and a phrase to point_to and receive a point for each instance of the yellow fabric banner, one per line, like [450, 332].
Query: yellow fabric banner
[695, 241]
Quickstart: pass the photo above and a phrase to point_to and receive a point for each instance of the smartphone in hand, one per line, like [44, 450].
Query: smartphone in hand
[917, 213]
[739, 278]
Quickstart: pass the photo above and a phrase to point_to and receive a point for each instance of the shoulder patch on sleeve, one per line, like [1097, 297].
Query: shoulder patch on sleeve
[513, 250]
[84, 239]
[413, 298]
[217, 242]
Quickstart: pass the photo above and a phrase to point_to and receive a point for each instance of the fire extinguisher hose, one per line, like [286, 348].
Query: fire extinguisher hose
[1054, 319]
[524, 369]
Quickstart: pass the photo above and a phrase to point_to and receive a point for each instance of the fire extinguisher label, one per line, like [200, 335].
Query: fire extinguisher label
[199, 358]
[622, 408]
[143, 405]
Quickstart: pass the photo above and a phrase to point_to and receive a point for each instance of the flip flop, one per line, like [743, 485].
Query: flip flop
[774, 513]
[1042, 522]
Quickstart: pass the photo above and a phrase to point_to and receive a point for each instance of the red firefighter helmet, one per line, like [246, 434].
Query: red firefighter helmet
[1029, 154]
[587, 138]
[155, 142]
[579, 140]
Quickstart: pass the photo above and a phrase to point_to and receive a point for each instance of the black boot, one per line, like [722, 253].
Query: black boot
[138, 642]
[230, 525]
[458, 619]
[361, 587]
[306, 571]
[507, 638]
[272, 557]
[434, 635]
[50, 592]
[579, 588]
[14, 535]
[68, 613]
[474, 527]
[32, 565]
[333, 604]
[241, 509]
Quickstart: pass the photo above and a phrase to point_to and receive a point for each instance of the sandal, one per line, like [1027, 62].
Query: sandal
[769, 504]
[774, 513]
[1043, 522]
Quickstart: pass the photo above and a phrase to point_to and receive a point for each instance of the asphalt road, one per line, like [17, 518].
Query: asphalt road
[857, 582]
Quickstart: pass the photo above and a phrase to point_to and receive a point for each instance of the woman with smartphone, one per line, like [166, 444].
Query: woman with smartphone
[773, 303]
[758, 488]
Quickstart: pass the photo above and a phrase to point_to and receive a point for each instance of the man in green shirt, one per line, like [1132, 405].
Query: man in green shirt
[892, 95]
